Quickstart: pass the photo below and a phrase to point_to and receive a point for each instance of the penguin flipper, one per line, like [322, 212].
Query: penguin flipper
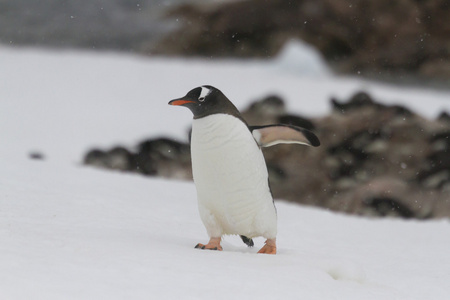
[247, 241]
[270, 135]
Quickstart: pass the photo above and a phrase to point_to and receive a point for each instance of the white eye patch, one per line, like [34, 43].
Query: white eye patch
[205, 92]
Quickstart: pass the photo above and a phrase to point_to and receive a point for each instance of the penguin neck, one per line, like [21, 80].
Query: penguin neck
[225, 107]
[222, 116]
[235, 114]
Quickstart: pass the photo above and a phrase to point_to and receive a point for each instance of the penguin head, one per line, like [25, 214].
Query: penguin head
[206, 100]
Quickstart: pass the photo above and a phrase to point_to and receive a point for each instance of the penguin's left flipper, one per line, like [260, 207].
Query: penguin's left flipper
[270, 135]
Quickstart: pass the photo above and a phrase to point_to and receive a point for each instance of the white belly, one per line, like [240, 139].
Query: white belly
[231, 179]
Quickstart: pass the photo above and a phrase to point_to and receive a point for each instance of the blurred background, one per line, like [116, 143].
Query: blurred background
[377, 158]
[400, 40]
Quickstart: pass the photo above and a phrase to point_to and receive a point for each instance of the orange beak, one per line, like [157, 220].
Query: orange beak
[178, 102]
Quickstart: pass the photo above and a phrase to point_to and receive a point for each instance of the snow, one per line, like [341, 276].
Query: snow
[302, 59]
[72, 232]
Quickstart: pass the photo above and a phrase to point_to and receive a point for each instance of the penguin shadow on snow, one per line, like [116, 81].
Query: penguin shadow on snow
[232, 243]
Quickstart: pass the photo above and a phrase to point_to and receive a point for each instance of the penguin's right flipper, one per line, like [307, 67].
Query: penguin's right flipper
[270, 135]
[247, 241]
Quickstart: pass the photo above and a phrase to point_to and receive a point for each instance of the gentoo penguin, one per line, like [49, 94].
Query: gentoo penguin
[229, 169]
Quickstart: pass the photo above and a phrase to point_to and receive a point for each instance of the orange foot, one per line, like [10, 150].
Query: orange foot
[270, 247]
[213, 244]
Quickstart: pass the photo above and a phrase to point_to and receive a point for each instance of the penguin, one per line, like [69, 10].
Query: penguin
[229, 170]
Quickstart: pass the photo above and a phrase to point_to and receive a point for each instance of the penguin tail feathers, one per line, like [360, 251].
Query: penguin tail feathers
[247, 241]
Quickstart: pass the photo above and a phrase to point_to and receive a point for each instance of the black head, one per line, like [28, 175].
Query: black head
[207, 100]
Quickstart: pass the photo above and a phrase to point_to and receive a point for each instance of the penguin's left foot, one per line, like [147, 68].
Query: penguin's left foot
[270, 247]
[213, 244]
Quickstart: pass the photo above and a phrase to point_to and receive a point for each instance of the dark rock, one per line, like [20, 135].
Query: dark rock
[37, 156]
[440, 160]
[351, 153]
[435, 179]
[272, 105]
[120, 158]
[358, 100]
[402, 111]
[276, 174]
[437, 171]
[441, 141]
[385, 206]
[96, 158]
[155, 155]
[264, 111]
[117, 158]
[362, 99]
[163, 148]
[444, 116]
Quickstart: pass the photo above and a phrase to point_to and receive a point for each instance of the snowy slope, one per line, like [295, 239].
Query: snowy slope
[71, 232]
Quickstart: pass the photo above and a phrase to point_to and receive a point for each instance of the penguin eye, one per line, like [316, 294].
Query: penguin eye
[201, 99]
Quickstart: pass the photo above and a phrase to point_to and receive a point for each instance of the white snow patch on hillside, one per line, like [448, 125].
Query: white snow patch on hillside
[72, 232]
[300, 58]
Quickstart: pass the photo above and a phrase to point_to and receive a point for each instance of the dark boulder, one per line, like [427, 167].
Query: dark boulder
[385, 206]
[37, 155]
[117, 158]
[160, 156]
[156, 157]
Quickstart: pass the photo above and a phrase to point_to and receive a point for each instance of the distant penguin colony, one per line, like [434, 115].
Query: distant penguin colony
[229, 169]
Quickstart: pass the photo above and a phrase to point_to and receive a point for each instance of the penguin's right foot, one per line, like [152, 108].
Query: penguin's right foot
[270, 247]
[213, 244]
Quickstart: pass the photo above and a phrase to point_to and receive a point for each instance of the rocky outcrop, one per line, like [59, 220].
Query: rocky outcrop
[359, 36]
[156, 157]
[382, 38]
[374, 159]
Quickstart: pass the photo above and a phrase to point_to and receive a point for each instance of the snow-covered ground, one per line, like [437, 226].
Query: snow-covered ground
[72, 232]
